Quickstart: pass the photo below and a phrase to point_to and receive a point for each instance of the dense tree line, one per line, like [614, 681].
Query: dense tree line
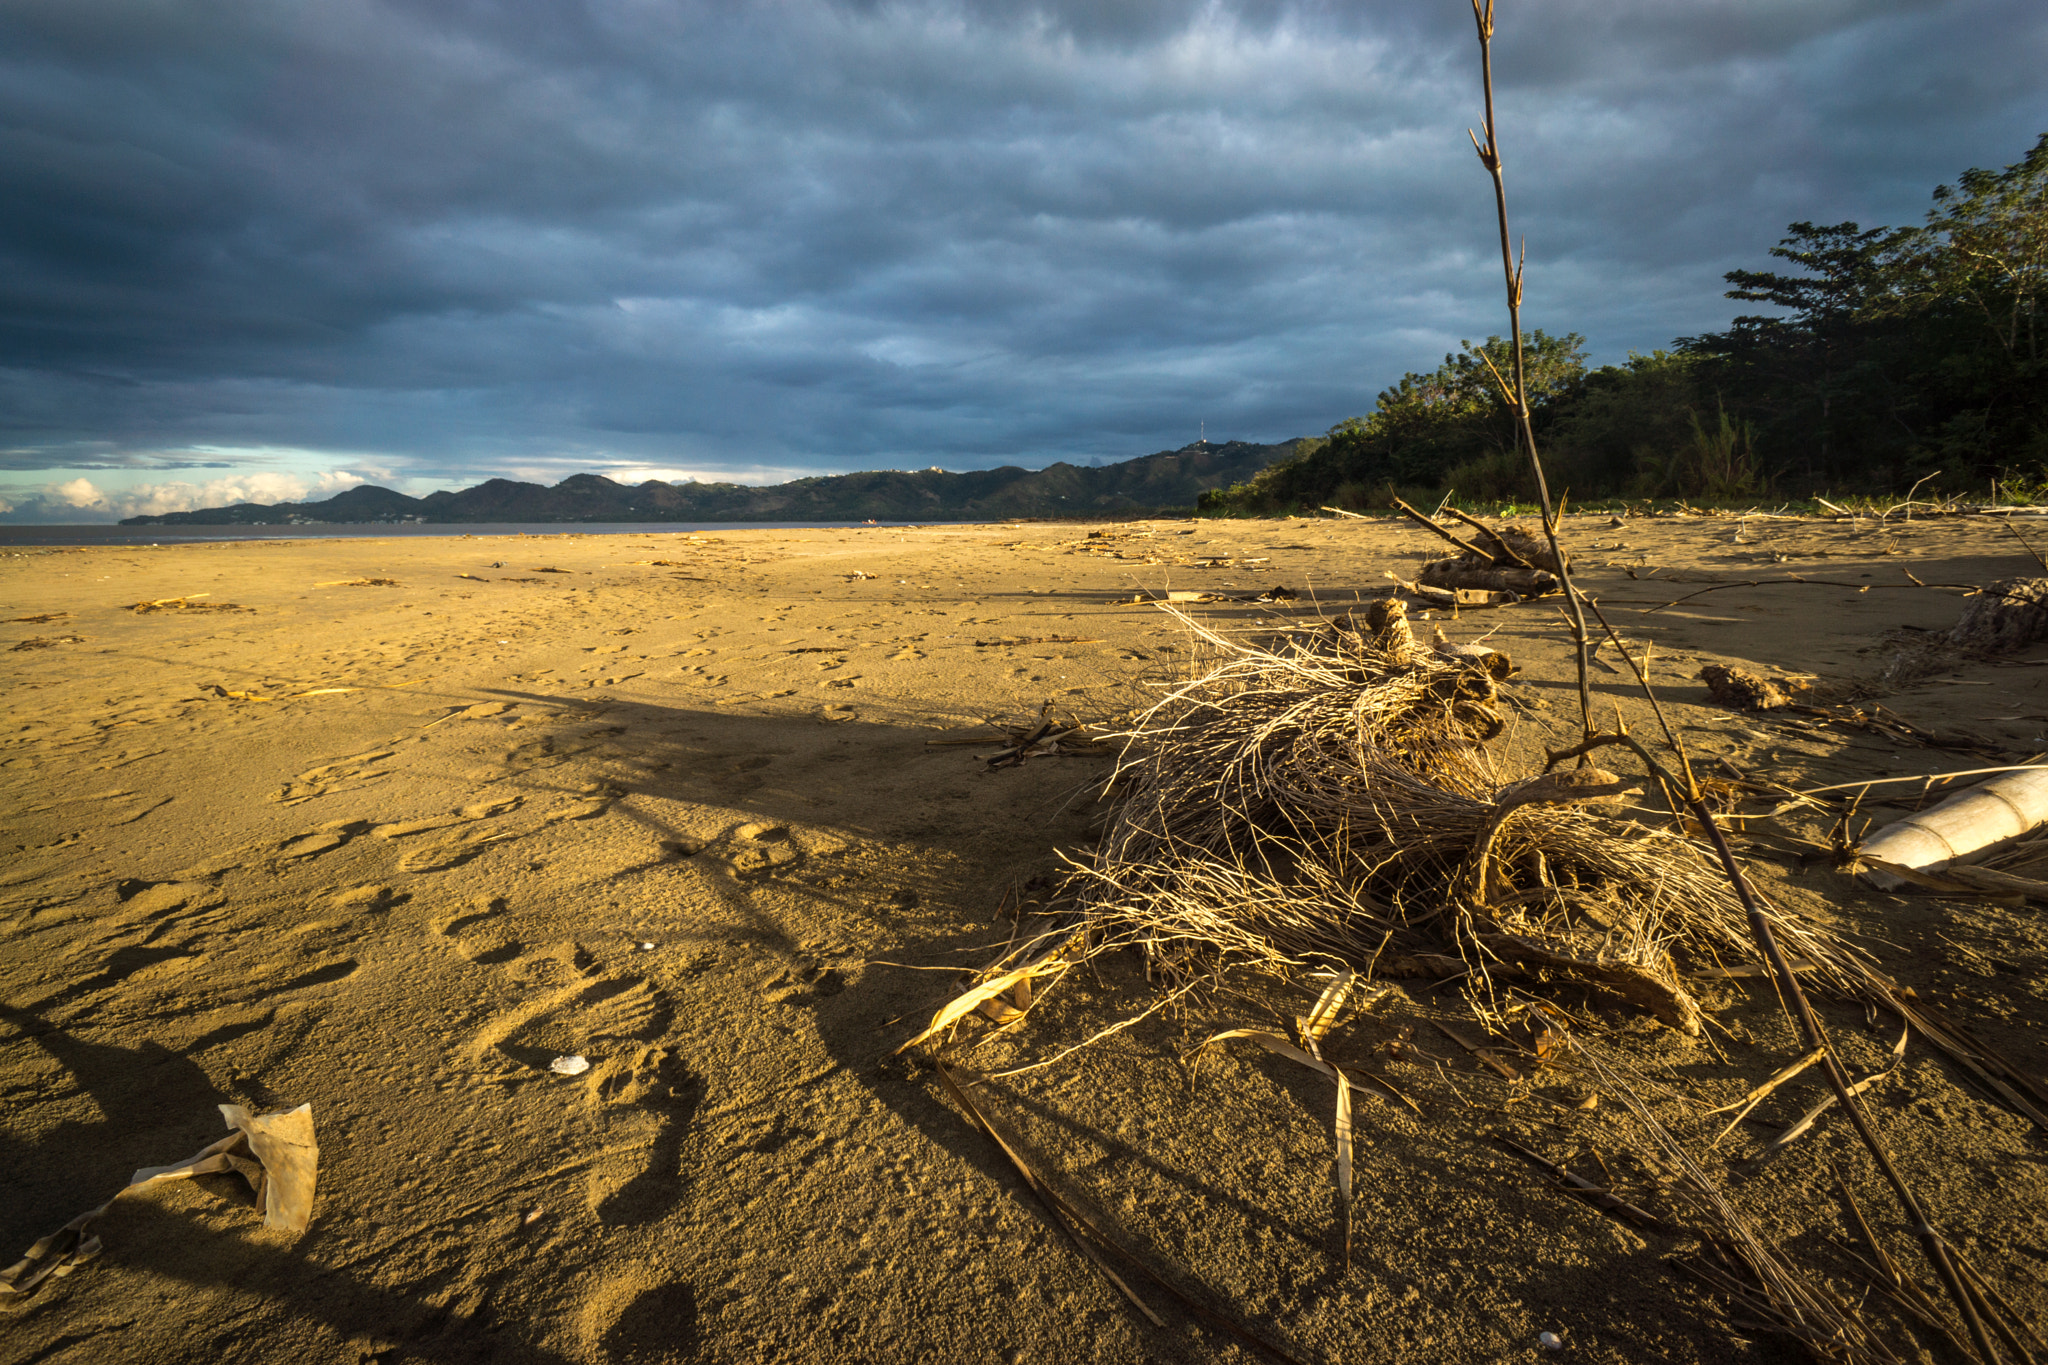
[1898, 353]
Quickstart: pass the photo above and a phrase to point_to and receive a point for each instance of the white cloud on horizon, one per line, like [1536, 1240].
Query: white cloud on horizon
[80, 500]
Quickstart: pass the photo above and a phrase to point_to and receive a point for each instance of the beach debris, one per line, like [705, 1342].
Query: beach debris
[1306, 1049]
[229, 694]
[191, 603]
[47, 642]
[1805, 1122]
[1452, 598]
[1494, 661]
[216, 690]
[1968, 823]
[1014, 641]
[1497, 560]
[276, 1153]
[360, 583]
[1049, 735]
[1549, 1341]
[574, 1064]
[42, 619]
[1742, 690]
[1472, 576]
[1191, 595]
[2008, 614]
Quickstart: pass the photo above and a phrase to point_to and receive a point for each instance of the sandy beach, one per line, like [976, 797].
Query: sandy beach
[386, 826]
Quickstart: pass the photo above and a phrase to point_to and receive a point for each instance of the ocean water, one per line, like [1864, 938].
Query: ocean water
[68, 536]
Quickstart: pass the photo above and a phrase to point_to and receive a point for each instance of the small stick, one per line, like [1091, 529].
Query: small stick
[1491, 535]
[1756, 1096]
[1481, 1055]
[2030, 549]
[1987, 1293]
[1805, 1122]
[1929, 778]
[1451, 536]
[1611, 1204]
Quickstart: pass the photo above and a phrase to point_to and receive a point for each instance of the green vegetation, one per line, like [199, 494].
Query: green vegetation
[1899, 354]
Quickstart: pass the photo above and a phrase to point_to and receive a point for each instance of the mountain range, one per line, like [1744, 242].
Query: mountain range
[1167, 480]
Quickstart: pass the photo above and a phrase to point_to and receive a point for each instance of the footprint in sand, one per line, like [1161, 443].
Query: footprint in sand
[761, 850]
[624, 1323]
[480, 935]
[482, 810]
[370, 899]
[802, 983]
[454, 849]
[163, 908]
[325, 839]
[638, 1096]
[341, 775]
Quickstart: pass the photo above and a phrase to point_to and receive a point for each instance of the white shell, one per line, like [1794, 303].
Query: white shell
[574, 1065]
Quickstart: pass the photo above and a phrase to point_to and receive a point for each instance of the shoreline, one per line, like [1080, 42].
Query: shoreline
[89, 535]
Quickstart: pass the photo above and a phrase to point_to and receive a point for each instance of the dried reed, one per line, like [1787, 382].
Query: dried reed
[1330, 798]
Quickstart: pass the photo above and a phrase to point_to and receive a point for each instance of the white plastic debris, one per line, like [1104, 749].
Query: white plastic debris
[1550, 1341]
[574, 1064]
[1961, 828]
[647, 947]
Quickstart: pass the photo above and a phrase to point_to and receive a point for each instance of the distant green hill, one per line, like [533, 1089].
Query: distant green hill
[1168, 480]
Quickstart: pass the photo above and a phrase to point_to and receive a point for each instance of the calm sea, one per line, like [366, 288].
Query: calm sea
[55, 536]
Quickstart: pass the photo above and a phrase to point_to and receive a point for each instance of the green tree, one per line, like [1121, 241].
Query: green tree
[1852, 276]
[1992, 230]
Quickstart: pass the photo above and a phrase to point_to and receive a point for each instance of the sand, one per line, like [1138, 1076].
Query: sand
[668, 802]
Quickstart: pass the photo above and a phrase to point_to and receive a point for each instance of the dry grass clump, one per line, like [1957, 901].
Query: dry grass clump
[1331, 797]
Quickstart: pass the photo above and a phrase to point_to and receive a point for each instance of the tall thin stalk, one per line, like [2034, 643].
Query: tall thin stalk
[1793, 997]
[1517, 392]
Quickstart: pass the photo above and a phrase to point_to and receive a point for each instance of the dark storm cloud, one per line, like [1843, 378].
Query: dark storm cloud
[460, 239]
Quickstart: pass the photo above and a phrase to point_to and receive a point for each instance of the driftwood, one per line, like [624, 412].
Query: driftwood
[1514, 545]
[1503, 561]
[1746, 691]
[1465, 573]
[2009, 614]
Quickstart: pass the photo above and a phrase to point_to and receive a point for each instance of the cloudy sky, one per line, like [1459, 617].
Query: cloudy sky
[266, 249]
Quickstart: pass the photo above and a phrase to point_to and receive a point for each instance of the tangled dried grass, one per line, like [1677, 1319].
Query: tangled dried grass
[1331, 797]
